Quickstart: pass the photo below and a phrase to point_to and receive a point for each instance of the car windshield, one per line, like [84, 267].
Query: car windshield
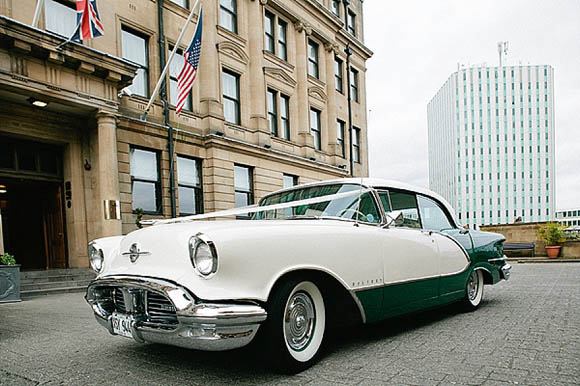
[345, 207]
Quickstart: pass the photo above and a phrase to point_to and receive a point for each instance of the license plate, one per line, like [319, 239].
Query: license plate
[122, 325]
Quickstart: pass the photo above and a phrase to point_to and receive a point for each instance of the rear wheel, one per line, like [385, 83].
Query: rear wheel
[474, 290]
[295, 326]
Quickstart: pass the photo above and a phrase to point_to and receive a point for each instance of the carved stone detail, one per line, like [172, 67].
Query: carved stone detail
[52, 75]
[301, 26]
[280, 75]
[19, 66]
[317, 93]
[234, 51]
[331, 47]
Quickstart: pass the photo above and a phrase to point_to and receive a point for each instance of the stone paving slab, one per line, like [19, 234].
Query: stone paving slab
[527, 332]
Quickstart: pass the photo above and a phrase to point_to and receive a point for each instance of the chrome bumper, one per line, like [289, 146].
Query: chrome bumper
[201, 326]
[506, 271]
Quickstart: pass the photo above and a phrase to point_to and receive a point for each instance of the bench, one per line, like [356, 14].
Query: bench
[520, 247]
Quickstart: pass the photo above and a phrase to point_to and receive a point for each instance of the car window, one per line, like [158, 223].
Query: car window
[346, 207]
[384, 196]
[406, 203]
[432, 215]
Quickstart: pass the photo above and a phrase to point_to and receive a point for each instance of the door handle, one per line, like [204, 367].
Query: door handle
[427, 233]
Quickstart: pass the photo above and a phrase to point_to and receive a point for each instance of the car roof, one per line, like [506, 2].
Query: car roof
[379, 183]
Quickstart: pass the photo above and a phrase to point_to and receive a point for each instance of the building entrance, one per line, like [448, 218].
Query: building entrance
[31, 203]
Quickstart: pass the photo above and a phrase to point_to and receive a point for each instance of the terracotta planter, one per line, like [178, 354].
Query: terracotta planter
[553, 251]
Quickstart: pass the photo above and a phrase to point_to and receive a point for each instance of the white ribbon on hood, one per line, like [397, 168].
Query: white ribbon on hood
[256, 208]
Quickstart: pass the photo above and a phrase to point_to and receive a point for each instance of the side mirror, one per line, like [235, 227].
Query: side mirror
[395, 218]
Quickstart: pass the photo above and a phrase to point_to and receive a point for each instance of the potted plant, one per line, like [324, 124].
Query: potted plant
[552, 234]
[9, 279]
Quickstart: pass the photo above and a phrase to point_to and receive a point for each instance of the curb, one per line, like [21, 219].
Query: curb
[533, 260]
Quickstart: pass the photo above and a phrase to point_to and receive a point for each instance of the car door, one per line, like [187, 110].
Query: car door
[453, 255]
[410, 260]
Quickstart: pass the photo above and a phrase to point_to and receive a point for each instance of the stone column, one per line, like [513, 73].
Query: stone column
[108, 217]
[304, 137]
[330, 51]
[258, 121]
[209, 79]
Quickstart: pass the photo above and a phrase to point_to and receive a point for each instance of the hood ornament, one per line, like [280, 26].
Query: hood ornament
[134, 252]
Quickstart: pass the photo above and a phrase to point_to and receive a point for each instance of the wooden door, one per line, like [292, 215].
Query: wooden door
[54, 230]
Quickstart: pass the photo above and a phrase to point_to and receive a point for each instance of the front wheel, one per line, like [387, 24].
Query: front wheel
[295, 326]
[474, 290]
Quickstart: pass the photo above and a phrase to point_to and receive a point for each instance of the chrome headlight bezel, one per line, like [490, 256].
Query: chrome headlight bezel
[96, 257]
[203, 255]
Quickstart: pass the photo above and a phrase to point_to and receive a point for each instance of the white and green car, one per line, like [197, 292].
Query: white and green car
[308, 258]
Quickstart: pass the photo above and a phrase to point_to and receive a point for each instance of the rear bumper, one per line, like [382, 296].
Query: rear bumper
[505, 271]
[195, 325]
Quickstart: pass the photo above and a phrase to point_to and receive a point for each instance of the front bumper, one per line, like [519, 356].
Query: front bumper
[188, 323]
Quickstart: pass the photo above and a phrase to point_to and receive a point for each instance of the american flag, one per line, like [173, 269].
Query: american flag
[88, 22]
[189, 71]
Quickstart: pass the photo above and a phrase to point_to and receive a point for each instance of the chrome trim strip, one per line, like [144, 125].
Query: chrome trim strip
[359, 305]
[504, 258]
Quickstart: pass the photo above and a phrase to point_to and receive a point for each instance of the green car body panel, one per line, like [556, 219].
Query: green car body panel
[394, 299]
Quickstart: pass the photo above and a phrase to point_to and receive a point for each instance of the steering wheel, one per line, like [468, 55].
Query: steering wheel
[351, 210]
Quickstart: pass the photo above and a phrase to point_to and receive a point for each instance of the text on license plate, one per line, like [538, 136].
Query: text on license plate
[122, 325]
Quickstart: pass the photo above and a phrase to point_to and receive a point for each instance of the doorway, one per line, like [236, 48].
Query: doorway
[31, 204]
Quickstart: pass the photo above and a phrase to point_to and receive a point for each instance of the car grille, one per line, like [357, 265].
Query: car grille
[152, 309]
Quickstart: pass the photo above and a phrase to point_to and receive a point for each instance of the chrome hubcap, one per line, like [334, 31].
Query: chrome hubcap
[299, 321]
[473, 286]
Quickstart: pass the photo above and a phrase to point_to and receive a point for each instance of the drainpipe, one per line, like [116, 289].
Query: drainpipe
[348, 52]
[163, 96]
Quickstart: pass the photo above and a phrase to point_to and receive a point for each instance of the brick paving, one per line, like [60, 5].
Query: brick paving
[527, 332]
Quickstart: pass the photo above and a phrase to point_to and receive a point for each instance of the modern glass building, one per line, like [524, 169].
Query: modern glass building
[491, 143]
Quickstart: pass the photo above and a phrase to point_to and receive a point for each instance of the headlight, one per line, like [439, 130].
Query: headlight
[203, 255]
[96, 257]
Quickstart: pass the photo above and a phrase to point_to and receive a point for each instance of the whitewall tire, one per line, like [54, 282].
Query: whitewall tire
[474, 290]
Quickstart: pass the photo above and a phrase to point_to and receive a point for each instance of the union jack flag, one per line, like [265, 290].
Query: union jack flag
[189, 71]
[88, 22]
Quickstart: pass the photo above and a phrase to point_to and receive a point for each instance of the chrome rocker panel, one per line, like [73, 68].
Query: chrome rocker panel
[201, 326]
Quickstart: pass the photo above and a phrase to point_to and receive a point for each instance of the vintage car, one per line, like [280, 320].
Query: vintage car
[307, 258]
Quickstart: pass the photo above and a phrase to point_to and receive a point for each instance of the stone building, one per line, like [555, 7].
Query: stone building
[269, 108]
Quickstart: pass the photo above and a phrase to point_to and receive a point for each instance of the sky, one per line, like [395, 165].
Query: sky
[417, 45]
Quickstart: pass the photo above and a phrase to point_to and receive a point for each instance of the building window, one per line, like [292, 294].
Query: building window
[313, 59]
[285, 116]
[335, 6]
[135, 49]
[231, 96]
[282, 49]
[340, 136]
[271, 97]
[315, 128]
[269, 37]
[288, 181]
[189, 186]
[229, 15]
[338, 77]
[174, 70]
[244, 186]
[60, 18]
[278, 107]
[351, 23]
[275, 35]
[183, 3]
[354, 85]
[145, 180]
[356, 144]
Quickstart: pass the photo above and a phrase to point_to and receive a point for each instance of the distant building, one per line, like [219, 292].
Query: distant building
[269, 108]
[568, 217]
[491, 143]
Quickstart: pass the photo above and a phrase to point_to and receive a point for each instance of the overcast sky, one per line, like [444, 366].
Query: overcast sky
[417, 45]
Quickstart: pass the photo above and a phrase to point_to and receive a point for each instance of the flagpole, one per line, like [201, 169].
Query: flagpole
[39, 5]
[162, 77]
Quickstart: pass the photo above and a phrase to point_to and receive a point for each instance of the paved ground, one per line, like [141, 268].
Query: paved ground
[527, 333]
